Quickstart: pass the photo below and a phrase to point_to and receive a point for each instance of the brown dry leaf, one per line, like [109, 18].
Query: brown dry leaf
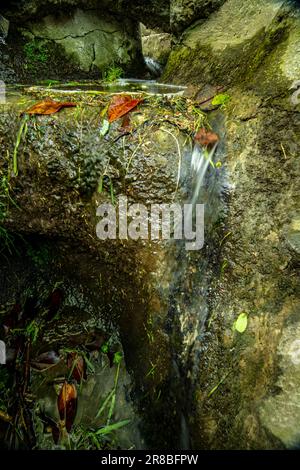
[48, 107]
[206, 138]
[121, 105]
[77, 364]
[67, 404]
[125, 126]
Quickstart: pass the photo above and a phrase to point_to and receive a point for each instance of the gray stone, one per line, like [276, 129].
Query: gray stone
[234, 41]
[157, 46]
[184, 12]
[90, 38]
[4, 25]
[280, 413]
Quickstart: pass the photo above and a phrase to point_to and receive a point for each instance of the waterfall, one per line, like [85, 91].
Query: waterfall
[153, 66]
[200, 161]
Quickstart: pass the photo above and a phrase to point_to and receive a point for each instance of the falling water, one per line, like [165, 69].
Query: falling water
[200, 161]
[153, 66]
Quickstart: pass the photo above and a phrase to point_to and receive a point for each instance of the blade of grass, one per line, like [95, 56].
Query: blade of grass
[112, 427]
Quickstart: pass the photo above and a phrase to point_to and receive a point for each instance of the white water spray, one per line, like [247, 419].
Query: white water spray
[201, 159]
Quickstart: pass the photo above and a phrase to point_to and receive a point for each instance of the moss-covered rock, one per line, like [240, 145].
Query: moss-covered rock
[237, 44]
[243, 387]
[83, 44]
[66, 170]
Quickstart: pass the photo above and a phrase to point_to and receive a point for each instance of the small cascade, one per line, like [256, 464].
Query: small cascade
[200, 161]
[153, 66]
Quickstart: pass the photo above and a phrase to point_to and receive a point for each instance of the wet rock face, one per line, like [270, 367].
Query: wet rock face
[156, 45]
[244, 384]
[80, 43]
[166, 15]
[235, 41]
[155, 12]
[184, 12]
[121, 284]
[85, 38]
[6, 72]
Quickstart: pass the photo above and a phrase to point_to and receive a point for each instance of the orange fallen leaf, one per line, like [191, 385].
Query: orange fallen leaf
[206, 138]
[121, 105]
[77, 364]
[48, 107]
[67, 404]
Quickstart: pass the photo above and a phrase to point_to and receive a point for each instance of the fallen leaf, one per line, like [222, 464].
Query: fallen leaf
[50, 424]
[125, 122]
[206, 138]
[77, 365]
[67, 404]
[121, 105]
[241, 323]
[48, 107]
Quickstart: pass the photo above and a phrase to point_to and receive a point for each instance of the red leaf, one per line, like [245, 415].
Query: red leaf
[77, 364]
[48, 107]
[67, 405]
[121, 105]
[206, 138]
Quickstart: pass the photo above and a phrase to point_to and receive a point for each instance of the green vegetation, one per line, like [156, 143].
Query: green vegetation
[113, 73]
[84, 439]
[221, 100]
[31, 331]
[6, 240]
[200, 118]
[40, 256]
[241, 323]
[21, 134]
[111, 187]
[103, 437]
[36, 52]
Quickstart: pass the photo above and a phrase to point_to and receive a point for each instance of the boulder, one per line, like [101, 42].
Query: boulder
[243, 386]
[66, 170]
[184, 12]
[235, 41]
[81, 43]
[157, 46]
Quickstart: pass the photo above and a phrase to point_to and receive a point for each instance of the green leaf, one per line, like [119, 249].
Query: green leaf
[105, 128]
[117, 358]
[104, 348]
[113, 427]
[241, 323]
[221, 99]
[105, 403]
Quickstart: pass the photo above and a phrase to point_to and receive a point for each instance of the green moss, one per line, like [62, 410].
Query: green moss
[36, 52]
[40, 255]
[238, 63]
